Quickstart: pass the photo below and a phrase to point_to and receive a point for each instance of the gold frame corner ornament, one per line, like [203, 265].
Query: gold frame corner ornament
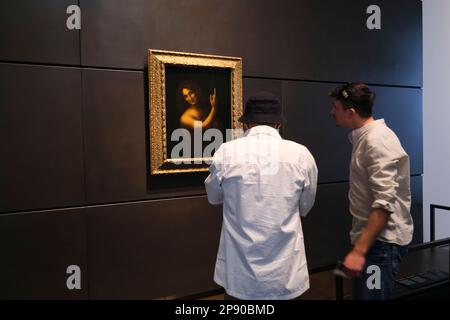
[157, 61]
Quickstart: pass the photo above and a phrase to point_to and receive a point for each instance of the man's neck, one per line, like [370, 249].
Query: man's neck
[363, 122]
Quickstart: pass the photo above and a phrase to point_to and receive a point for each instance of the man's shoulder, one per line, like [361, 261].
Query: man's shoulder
[232, 143]
[294, 152]
[242, 143]
[384, 141]
[294, 146]
[230, 147]
[381, 135]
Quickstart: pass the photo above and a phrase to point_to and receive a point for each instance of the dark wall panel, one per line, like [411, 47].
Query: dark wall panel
[288, 39]
[35, 31]
[330, 41]
[326, 228]
[36, 249]
[114, 112]
[41, 137]
[153, 249]
[310, 123]
[401, 108]
[252, 86]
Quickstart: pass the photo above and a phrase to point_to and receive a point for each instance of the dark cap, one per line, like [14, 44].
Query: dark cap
[263, 107]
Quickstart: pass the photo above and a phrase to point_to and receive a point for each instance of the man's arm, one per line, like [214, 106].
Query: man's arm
[213, 186]
[355, 259]
[308, 196]
[213, 183]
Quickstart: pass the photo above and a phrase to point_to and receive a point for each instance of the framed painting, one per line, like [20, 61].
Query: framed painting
[195, 103]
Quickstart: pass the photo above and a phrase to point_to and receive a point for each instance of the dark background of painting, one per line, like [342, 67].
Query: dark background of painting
[207, 79]
[74, 182]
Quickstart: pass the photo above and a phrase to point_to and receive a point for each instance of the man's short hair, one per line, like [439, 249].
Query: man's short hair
[357, 96]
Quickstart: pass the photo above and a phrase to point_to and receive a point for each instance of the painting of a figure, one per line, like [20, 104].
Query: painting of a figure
[194, 111]
[197, 95]
[191, 93]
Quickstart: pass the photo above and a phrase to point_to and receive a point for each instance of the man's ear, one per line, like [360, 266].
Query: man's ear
[352, 112]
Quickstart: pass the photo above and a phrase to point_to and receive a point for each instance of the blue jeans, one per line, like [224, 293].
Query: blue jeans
[387, 257]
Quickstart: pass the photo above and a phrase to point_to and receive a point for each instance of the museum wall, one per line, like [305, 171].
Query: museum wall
[75, 187]
[436, 68]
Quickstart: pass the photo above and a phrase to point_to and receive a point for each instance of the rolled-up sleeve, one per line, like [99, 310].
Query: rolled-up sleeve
[382, 170]
[308, 195]
[213, 183]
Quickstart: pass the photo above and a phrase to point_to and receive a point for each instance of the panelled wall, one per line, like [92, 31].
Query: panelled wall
[74, 181]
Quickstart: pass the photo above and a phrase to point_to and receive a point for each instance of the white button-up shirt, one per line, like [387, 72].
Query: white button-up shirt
[265, 183]
[379, 178]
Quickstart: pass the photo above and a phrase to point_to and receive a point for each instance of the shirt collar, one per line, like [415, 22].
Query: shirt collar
[355, 134]
[263, 129]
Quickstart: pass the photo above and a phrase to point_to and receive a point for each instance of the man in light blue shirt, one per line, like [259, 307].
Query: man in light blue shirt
[265, 183]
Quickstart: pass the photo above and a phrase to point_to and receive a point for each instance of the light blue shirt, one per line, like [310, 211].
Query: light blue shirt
[265, 183]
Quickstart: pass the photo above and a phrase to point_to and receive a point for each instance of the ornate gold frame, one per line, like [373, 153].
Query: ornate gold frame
[157, 60]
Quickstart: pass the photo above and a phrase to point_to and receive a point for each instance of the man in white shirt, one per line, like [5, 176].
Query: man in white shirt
[265, 183]
[379, 195]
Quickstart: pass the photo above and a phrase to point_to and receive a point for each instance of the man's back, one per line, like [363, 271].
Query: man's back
[265, 184]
